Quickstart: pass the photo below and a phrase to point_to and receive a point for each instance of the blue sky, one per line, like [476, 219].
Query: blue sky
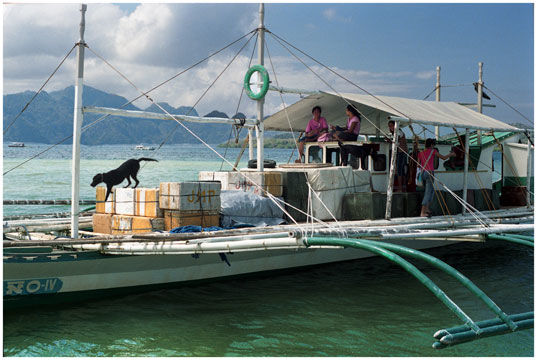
[389, 49]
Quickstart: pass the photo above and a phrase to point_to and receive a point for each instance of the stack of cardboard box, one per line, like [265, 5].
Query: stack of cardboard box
[190, 203]
[128, 211]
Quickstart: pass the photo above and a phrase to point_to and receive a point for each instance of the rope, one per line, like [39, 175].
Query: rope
[41, 88]
[506, 103]
[237, 110]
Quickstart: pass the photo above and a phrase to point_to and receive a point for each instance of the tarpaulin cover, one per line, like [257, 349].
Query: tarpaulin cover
[248, 208]
[377, 109]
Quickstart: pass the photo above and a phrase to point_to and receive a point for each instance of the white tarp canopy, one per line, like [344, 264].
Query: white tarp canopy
[375, 112]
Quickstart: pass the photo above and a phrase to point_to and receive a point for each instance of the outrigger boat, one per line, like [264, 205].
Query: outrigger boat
[335, 213]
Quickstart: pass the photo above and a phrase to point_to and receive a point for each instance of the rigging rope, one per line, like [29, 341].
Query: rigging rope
[237, 110]
[133, 100]
[41, 88]
[506, 103]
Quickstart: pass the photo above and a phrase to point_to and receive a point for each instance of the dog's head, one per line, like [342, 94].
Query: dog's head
[97, 179]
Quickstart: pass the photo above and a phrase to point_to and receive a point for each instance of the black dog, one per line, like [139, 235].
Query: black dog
[127, 170]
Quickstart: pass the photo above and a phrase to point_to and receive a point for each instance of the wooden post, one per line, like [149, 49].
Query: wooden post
[389, 192]
[466, 158]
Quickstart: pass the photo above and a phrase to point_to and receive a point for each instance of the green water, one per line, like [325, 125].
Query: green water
[360, 308]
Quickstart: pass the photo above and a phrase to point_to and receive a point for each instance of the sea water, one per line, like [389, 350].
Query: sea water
[368, 307]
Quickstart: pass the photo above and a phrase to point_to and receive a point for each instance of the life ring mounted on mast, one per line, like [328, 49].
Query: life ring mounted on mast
[266, 82]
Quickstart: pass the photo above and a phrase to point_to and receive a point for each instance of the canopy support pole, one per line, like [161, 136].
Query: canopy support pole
[389, 193]
[466, 158]
[437, 128]
[78, 118]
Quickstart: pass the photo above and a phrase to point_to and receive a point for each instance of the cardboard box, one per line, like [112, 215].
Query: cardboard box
[125, 201]
[147, 203]
[270, 181]
[138, 202]
[102, 207]
[190, 196]
[102, 223]
[124, 224]
[176, 218]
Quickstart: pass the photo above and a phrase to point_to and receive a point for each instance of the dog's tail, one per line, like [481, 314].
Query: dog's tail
[146, 159]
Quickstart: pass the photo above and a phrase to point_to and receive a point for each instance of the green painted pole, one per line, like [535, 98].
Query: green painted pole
[401, 262]
[439, 264]
[453, 339]
[523, 237]
[509, 238]
[482, 324]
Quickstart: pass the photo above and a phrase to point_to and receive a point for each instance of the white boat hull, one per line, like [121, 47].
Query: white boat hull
[28, 274]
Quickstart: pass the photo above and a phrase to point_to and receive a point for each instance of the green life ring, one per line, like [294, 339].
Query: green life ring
[266, 82]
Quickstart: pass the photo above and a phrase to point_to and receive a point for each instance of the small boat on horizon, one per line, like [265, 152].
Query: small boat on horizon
[16, 144]
[143, 147]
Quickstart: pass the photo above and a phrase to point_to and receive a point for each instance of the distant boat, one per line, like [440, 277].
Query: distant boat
[143, 147]
[16, 144]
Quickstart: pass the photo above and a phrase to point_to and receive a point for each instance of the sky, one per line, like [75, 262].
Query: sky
[385, 49]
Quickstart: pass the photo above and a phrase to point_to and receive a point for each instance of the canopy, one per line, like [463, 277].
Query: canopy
[376, 109]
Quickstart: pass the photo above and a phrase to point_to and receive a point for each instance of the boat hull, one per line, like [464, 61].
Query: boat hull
[32, 277]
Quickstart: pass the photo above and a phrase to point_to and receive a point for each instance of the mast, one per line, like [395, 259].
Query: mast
[78, 117]
[261, 59]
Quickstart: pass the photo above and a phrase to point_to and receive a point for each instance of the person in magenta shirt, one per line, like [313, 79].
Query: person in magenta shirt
[426, 160]
[351, 132]
[316, 126]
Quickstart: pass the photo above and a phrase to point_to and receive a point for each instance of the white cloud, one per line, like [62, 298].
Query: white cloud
[153, 43]
[330, 14]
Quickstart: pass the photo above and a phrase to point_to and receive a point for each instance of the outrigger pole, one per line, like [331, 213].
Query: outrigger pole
[78, 118]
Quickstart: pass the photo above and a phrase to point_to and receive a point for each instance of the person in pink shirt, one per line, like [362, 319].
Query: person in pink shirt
[426, 160]
[316, 126]
[351, 132]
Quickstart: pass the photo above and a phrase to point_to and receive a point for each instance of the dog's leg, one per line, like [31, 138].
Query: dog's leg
[135, 179]
[128, 182]
[108, 191]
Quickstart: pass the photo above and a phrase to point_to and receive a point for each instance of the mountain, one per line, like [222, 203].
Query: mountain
[49, 119]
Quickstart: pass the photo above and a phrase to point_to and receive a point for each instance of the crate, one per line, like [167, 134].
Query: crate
[124, 224]
[102, 207]
[125, 201]
[190, 196]
[147, 203]
[138, 202]
[176, 218]
[102, 223]
[270, 181]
